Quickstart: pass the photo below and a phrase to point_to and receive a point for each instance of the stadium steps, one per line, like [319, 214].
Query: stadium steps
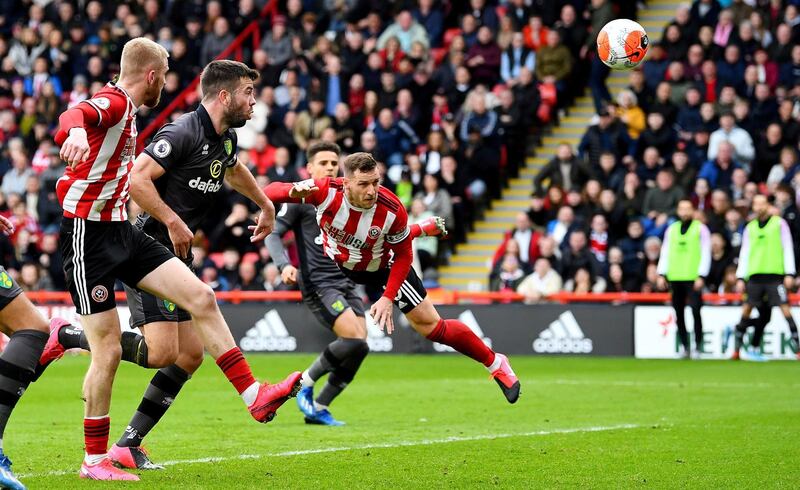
[470, 265]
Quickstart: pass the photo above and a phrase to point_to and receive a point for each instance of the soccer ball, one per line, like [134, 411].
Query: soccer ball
[622, 44]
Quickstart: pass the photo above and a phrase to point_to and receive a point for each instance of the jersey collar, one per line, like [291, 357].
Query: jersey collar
[208, 126]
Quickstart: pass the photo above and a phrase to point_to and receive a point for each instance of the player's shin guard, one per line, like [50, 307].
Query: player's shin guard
[158, 397]
[354, 351]
[459, 336]
[134, 348]
[17, 367]
[95, 436]
[236, 369]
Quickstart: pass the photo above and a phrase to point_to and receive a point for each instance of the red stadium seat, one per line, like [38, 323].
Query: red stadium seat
[449, 34]
[438, 55]
[548, 93]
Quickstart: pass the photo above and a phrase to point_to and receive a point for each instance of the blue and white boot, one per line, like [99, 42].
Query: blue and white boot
[7, 477]
[305, 401]
[323, 417]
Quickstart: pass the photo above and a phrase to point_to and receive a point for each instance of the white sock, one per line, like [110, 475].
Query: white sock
[495, 365]
[92, 459]
[306, 380]
[249, 395]
[318, 407]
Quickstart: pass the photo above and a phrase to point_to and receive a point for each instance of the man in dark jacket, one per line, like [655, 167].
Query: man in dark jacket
[564, 171]
[607, 135]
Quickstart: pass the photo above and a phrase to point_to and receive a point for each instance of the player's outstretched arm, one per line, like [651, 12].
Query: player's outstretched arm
[240, 178]
[143, 191]
[432, 226]
[307, 191]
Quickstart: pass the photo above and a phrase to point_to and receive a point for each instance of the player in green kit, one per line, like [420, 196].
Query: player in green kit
[766, 262]
[685, 261]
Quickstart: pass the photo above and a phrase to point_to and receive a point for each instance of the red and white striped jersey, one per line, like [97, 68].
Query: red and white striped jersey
[355, 238]
[97, 189]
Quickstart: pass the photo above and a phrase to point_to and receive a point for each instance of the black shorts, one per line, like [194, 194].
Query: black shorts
[9, 289]
[411, 292]
[683, 293]
[762, 293]
[147, 308]
[97, 253]
[327, 302]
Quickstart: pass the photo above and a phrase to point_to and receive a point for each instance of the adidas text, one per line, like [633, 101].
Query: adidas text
[268, 334]
[563, 336]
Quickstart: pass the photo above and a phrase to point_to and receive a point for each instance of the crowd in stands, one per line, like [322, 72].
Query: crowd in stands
[713, 115]
[443, 93]
[446, 95]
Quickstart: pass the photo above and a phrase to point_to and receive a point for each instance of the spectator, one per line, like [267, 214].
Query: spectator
[483, 58]
[426, 248]
[526, 93]
[577, 256]
[272, 280]
[31, 278]
[630, 113]
[583, 283]
[15, 180]
[599, 239]
[436, 200]
[561, 227]
[606, 135]
[311, 123]
[728, 132]
[482, 164]
[282, 170]
[720, 204]
[719, 171]
[782, 172]
[632, 247]
[391, 139]
[406, 30]
[768, 151]
[431, 19]
[277, 44]
[515, 58]
[526, 238]
[535, 33]
[543, 282]
[216, 41]
[685, 175]
[721, 260]
[660, 201]
[564, 171]
[554, 64]
[656, 135]
[483, 14]
[248, 278]
[509, 277]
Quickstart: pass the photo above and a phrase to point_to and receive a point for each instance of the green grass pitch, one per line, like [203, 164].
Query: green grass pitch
[437, 421]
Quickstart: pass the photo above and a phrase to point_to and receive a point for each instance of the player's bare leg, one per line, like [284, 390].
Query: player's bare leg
[178, 351]
[26, 328]
[174, 281]
[341, 358]
[103, 334]
[426, 321]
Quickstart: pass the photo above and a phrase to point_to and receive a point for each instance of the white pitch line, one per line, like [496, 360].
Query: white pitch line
[387, 445]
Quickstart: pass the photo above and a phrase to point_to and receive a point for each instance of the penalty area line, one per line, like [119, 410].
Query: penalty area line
[387, 445]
